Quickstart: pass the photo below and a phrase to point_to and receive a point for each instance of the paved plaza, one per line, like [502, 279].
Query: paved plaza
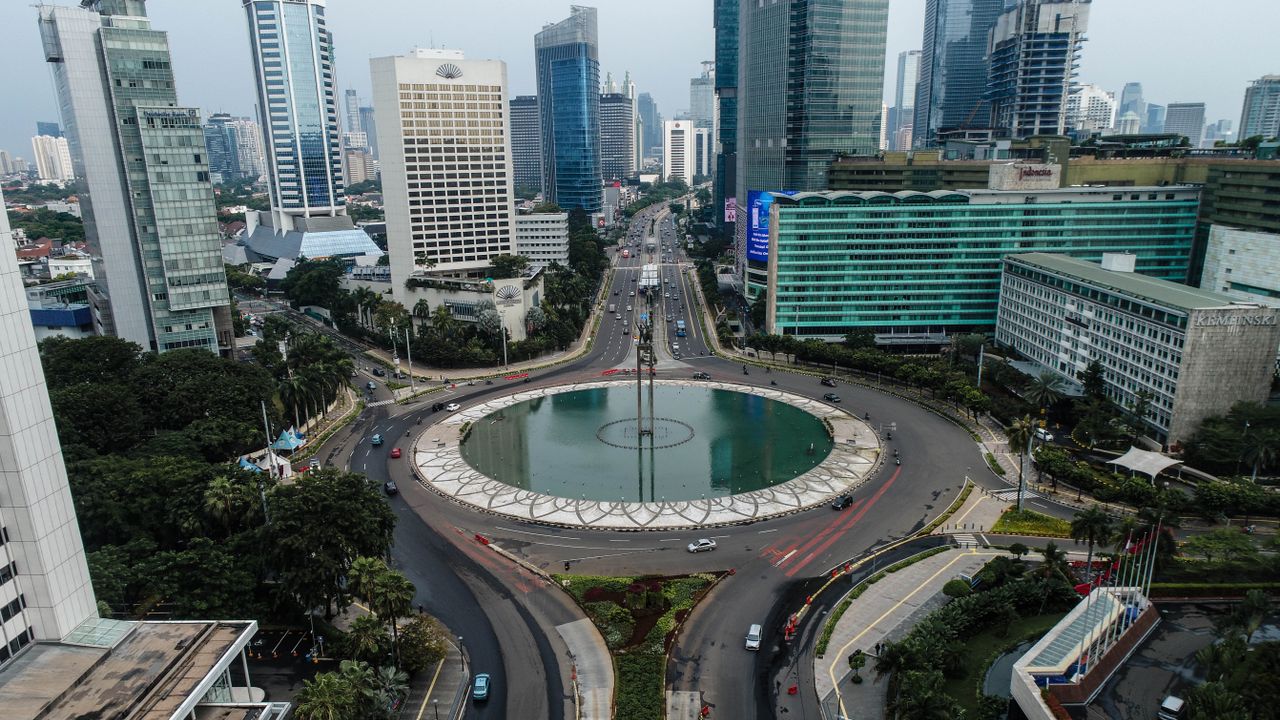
[438, 464]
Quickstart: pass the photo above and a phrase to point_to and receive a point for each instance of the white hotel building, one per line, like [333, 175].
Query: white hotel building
[543, 238]
[1196, 352]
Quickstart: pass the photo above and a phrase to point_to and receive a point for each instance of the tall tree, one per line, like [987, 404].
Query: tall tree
[326, 697]
[1044, 390]
[1093, 527]
[1020, 432]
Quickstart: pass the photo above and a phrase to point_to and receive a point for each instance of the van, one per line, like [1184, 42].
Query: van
[753, 637]
[1044, 435]
[1171, 708]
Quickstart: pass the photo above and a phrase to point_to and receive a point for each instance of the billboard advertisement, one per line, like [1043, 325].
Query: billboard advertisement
[758, 204]
[731, 209]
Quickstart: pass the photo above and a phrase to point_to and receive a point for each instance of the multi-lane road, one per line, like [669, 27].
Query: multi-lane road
[507, 616]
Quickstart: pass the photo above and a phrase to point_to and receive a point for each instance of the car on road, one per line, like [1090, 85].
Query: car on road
[842, 502]
[702, 545]
[831, 397]
[701, 376]
[389, 487]
[626, 330]
[452, 407]
[395, 453]
[753, 637]
[829, 382]
[314, 464]
[615, 292]
[376, 440]
[480, 687]
[371, 386]
[1044, 435]
[379, 372]
[633, 293]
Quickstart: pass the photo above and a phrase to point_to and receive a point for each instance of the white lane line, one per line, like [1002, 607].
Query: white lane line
[784, 558]
[619, 541]
[527, 532]
[762, 532]
[672, 540]
[720, 537]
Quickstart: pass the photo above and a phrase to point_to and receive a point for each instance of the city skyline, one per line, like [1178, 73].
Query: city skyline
[1110, 58]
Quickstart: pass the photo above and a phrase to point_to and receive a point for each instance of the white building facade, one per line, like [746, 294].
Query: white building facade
[53, 158]
[1195, 353]
[543, 238]
[1091, 108]
[1242, 264]
[446, 163]
[677, 150]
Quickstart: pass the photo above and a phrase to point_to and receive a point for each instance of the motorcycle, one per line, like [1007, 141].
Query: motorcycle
[897, 461]
[773, 382]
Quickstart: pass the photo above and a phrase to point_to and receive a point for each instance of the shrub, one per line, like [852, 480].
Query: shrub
[422, 644]
[615, 623]
[1029, 522]
[994, 465]
[955, 588]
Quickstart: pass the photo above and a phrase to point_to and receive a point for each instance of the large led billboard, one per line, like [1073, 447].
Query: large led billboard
[758, 203]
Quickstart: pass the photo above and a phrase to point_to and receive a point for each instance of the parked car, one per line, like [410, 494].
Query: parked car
[376, 440]
[829, 382]
[452, 407]
[480, 687]
[1044, 435]
[842, 502]
[395, 453]
[389, 487]
[315, 463]
[831, 397]
[702, 545]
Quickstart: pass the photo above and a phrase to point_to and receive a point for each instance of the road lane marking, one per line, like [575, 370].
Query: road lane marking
[529, 532]
[762, 532]
[836, 536]
[784, 558]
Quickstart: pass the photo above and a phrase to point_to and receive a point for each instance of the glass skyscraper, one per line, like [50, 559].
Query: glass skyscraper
[568, 68]
[953, 68]
[150, 217]
[810, 81]
[1035, 48]
[294, 73]
[726, 25]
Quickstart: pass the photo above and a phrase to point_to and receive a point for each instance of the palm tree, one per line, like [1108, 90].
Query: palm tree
[327, 697]
[1020, 433]
[442, 321]
[392, 680]
[366, 638]
[224, 500]
[1262, 448]
[362, 575]
[293, 392]
[422, 310]
[1214, 701]
[392, 599]
[1053, 562]
[1094, 527]
[1045, 390]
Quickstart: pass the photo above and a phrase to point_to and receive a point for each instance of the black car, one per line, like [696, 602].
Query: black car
[379, 372]
[831, 397]
[842, 502]
[701, 376]
[829, 382]
[389, 487]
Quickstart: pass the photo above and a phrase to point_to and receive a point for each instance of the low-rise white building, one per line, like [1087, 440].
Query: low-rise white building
[1196, 353]
[543, 238]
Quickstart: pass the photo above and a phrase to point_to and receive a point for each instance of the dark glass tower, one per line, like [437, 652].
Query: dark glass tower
[568, 68]
[954, 68]
[810, 81]
[726, 25]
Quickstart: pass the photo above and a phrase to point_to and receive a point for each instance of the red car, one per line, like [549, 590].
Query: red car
[395, 453]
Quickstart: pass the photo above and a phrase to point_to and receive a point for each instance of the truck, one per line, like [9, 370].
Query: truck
[613, 308]
[680, 328]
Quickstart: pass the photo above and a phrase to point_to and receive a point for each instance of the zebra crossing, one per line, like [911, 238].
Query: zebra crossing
[380, 403]
[1011, 495]
[966, 540]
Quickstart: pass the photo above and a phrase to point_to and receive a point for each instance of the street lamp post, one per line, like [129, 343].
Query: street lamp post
[435, 705]
[409, 354]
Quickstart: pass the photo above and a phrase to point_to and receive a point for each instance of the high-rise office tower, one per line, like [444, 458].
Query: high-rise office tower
[617, 136]
[446, 177]
[703, 153]
[526, 143]
[53, 158]
[678, 150]
[954, 67]
[723, 187]
[1128, 123]
[42, 560]
[367, 122]
[637, 126]
[651, 119]
[1131, 100]
[297, 98]
[150, 217]
[810, 81]
[702, 99]
[1090, 108]
[351, 110]
[52, 129]
[1260, 114]
[904, 97]
[6, 162]
[568, 68]
[1185, 119]
[6, 231]
[1154, 122]
[1035, 49]
[223, 147]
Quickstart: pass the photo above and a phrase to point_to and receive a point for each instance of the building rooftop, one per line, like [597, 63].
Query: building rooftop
[916, 196]
[147, 675]
[1162, 292]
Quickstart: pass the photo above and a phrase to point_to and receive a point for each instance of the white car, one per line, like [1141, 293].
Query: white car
[452, 407]
[1044, 435]
[701, 545]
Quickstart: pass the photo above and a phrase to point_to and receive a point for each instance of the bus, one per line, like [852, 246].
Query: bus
[679, 328]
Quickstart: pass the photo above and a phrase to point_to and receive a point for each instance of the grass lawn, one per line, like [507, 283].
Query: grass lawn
[981, 650]
[1029, 522]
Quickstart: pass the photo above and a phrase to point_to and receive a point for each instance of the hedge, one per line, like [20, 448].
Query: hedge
[1029, 522]
[994, 465]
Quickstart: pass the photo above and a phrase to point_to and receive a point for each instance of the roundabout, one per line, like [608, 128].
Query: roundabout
[665, 473]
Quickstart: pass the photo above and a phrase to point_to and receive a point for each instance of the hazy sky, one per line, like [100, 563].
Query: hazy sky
[1176, 48]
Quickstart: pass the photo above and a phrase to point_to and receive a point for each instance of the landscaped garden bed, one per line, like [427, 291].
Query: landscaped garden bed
[1029, 522]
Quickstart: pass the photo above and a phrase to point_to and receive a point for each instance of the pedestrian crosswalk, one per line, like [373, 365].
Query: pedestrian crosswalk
[380, 403]
[966, 540]
[1011, 495]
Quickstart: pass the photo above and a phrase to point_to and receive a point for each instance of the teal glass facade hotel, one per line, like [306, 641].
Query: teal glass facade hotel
[914, 263]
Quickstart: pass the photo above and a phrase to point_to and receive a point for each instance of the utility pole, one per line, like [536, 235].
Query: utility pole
[271, 459]
[409, 353]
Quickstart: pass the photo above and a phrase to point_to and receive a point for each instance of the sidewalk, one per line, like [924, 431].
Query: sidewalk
[978, 513]
[440, 692]
[886, 611]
